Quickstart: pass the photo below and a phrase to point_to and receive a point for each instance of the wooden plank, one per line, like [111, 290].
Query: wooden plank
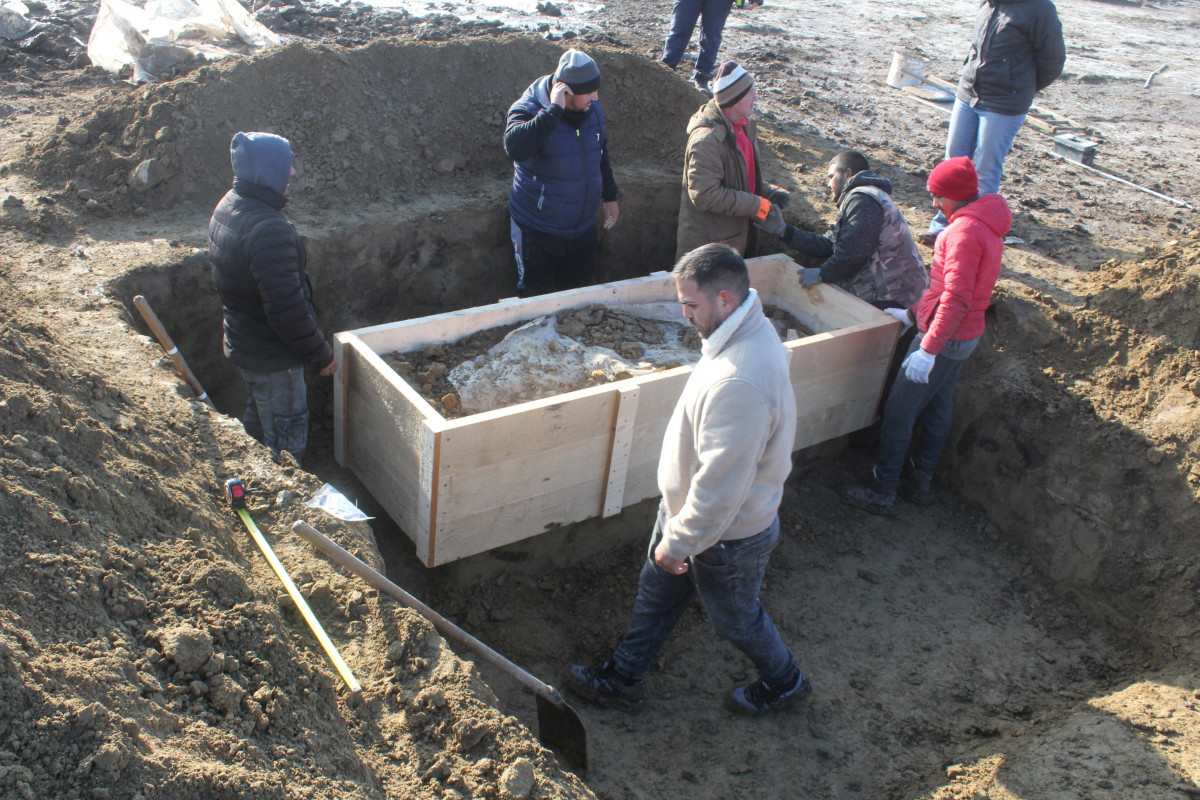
[428, 497]
[454, 325]
[622, 443]
[341, 421]
[497, 436]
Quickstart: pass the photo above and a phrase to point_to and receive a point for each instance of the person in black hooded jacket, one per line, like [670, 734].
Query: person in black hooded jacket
[269, 321]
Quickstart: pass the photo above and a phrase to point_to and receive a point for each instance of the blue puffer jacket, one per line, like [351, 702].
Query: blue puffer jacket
[560, 173]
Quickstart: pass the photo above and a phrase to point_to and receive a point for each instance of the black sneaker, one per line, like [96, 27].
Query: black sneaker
[761, 696]
[606, 686]
[870, 497]
[702, 83]
[916, 487]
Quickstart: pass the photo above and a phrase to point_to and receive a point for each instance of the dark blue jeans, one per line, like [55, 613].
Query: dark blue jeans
[727, 577]
[277, 409]
[931, 404]
[712, 15]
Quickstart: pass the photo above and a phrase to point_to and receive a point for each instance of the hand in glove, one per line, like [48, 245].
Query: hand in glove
[778, 195]
[901, 315]
[918, 365]
[810, 277]
[773, 223]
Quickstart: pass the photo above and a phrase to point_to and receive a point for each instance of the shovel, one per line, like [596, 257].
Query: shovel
[558, 724]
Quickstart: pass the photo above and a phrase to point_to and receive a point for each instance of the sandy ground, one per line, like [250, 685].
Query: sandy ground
[1031, 636]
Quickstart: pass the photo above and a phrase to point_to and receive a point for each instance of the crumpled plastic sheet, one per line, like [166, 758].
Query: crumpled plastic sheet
[164, 34]
[336, 504]
[536, 361]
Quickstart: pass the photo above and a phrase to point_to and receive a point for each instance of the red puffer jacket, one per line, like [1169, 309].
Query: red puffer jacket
[966, 264]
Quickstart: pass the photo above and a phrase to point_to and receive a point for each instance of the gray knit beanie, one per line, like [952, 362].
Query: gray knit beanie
[262, 158]
[579, 71]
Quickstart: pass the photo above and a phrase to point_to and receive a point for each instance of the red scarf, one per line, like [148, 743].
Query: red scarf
[747, 151]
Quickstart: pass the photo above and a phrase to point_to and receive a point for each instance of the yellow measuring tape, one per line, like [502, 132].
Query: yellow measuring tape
[342, 667]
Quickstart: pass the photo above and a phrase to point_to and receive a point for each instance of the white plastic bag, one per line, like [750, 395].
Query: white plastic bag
[336, 504]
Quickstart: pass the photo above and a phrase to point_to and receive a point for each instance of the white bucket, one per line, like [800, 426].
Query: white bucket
[908, 69]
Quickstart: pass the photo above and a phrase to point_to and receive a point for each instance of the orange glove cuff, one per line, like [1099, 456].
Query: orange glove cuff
[764, 208]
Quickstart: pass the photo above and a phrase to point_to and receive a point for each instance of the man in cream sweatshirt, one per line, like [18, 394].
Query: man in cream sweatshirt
[725, 456]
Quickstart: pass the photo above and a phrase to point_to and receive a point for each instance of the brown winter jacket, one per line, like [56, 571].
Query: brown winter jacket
[717, 200]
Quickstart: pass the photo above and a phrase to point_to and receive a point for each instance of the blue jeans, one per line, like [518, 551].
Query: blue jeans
[727, 577]
[931, 404]
[985, 137]
[277, 409]
[712, 15]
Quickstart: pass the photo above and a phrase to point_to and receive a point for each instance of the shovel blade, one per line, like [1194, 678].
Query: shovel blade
[560, 727]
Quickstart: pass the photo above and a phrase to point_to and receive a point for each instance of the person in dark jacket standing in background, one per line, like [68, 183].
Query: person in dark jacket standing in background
[1017, 50]
[869, 250]
[712, 15]
[556, 137]
[270, 324]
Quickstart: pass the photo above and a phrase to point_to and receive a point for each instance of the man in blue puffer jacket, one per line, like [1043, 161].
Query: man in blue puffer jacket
[270, 325]
[556, 136]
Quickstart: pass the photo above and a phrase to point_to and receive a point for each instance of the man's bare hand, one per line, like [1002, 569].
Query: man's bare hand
[611, 213]
[667, 564]
[330, 368]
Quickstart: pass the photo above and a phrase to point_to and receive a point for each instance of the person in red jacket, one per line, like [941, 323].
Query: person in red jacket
[949, 320]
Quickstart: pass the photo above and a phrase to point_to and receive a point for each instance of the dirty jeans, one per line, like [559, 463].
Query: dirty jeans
[727, 576]
[277, 409]
[712, 15]
[930, 404]
[985, 137]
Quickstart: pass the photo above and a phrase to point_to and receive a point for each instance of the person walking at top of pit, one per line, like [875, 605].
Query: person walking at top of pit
[1016, 51]
[556, 136]
[712, 15]
[723, 186]
[725, 456]
[269, 321]
[949, 319]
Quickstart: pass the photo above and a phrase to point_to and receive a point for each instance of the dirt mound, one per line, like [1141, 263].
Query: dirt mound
[1078, 427]
[147, 651]
[384, 122]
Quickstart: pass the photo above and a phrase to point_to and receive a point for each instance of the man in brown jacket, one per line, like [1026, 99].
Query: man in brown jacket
[723, 186]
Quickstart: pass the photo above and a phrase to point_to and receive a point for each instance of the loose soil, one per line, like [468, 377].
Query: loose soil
[1033, 635]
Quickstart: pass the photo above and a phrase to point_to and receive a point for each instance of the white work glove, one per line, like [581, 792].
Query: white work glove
[901, 315]
[918, 365]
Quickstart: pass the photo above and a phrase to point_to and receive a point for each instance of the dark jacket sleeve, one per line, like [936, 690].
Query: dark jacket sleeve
[526, 132]
[608, 190]
[274, 261]
[858, 237]
[813, 245]
[1050, 51]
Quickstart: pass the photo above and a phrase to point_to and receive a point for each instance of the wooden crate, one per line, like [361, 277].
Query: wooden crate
[460, 487]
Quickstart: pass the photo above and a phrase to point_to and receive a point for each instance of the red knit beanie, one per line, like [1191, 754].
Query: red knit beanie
[954, 179]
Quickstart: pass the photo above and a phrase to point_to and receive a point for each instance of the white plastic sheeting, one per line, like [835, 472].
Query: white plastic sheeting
[537, 361]
[166, 33]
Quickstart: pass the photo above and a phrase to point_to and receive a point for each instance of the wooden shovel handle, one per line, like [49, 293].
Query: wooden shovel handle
[444, 626]
[164, 339]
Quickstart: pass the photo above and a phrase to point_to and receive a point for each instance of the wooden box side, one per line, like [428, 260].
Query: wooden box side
[454, 325]
[509, 474]
[384, 429]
